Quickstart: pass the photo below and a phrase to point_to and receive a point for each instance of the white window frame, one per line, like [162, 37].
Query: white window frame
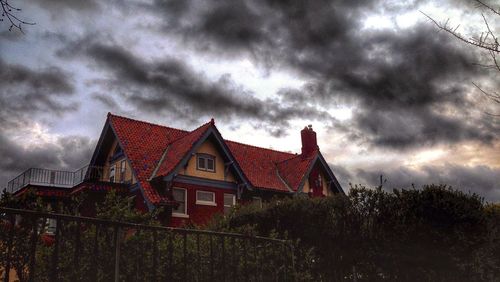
[203, 202]
[258, 200]
[205, 158]
[178, 214]
[123, 169]
[234, 200]
[112, 169]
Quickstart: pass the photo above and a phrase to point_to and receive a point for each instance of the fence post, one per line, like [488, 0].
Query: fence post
[34, 238]
[9, 248]
[117, 253]
[55, 255]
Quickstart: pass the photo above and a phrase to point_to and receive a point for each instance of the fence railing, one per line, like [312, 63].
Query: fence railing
[89, 249]
[56, 178]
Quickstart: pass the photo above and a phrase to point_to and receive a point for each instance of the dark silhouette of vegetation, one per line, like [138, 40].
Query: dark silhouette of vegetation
[430, 234]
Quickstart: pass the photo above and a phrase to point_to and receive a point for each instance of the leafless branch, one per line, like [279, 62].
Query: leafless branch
[484, 5]
[487, 40]
[8, 12]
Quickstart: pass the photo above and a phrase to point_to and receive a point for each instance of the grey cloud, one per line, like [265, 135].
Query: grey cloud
[69, 152]
[25, 92]
[170, 87]
[400, 76]
[482, 180]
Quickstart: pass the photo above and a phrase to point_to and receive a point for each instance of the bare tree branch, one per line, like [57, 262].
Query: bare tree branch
[487, 40]
[8, 12]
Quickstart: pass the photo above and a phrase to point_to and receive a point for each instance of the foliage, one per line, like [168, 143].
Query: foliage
[430, 234]
[435, 233]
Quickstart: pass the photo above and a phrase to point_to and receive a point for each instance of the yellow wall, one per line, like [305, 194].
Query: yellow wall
[326, 191]
[208, 148]
[306, 188]
[128, 170]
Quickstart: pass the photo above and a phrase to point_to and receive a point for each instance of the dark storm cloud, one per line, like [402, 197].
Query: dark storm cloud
[69, 152]
[27, 95]
[25, 92]
[399, 81]
[58, 6]
[169, 86]
[482, 180]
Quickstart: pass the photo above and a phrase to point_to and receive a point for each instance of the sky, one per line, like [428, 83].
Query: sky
[386, 92]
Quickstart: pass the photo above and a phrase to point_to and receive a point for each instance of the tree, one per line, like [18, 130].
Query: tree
[487, 40]
[9, 13]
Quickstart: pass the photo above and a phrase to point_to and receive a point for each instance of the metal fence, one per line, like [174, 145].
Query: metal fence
[54, 178]
[89, 249]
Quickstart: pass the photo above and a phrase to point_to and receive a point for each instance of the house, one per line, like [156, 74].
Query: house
[191, 174]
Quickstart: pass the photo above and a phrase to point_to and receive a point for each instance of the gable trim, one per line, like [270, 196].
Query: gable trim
[210, 131]
[149, 204]
[97, 149]
[325, 165]
[330, 173]
[283, 180]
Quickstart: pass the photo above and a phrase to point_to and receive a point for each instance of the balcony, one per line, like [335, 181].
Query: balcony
[61, 179]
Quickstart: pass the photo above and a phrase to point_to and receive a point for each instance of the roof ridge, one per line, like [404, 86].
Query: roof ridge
[147, 122]
[311, 156]
[188, 133]
[254, 146]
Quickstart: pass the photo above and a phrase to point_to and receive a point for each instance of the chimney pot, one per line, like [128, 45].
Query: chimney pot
[309, 142]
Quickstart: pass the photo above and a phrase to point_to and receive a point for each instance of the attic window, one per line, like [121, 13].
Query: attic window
[118, 153]
[205, 162]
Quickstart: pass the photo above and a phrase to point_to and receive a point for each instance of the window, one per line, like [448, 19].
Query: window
[257, 201]
[229, 202]
[180, 196]
[51, 226]
[112, 174]
[205, 198]
[123, 167]
[205, 162]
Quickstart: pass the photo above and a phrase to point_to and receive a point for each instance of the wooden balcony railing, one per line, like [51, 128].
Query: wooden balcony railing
[56, 178]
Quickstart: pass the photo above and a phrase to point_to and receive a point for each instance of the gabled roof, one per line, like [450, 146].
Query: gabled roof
[155, 150]
[143, 144]
[293, 170]
[259, 165]
[178, 149]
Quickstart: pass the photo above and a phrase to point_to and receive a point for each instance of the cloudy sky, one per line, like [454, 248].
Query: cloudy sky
[385, 91]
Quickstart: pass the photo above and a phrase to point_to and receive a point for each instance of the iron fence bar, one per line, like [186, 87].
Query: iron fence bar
[9, 248]
[170, 256]
[76, 255]
[33, 243]
[184, 247]
[55, 253]
[223, 258]
[292, 252]
[245, 265]
[155, 256]
[284, 251]
[211, 259]
[137, 257]
[233, 261]
[95, 266]
[198, 258]
[117, 253]
[136, 225]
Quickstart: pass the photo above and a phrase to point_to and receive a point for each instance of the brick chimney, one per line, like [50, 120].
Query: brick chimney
[309, 143]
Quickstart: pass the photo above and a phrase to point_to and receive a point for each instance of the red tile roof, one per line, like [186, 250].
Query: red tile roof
[259, 165]
[293, 170]
[178, 149]
[145, 144]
